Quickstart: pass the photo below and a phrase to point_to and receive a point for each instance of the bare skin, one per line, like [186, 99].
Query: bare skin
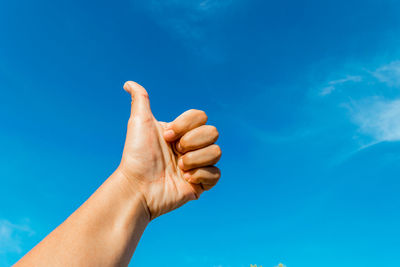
[163, 166]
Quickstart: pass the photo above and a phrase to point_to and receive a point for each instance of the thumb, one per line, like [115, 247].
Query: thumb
[140, 99]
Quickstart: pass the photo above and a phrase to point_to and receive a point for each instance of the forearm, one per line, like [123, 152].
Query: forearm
[104, 231]
[171, 162]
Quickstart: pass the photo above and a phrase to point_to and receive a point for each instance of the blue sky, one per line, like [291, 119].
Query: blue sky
[306, 95]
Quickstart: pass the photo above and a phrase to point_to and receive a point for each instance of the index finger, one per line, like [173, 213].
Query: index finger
[187, 121]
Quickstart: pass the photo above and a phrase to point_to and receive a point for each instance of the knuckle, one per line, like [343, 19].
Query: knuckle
[200, 114]
[143, 119]
[217, 173]
[203, 115]
[213, 131]
[144, 94]
[183, 142]
[187, 160]
[217, 151]
[180, 147]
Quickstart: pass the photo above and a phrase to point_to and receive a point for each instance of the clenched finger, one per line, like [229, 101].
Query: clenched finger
[185, 122]
[206, 156]
[206, 176]
[199, 137]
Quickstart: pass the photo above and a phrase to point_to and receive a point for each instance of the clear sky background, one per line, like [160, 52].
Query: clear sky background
[306, 96]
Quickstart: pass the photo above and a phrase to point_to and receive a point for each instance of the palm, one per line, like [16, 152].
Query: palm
[151, 164]
[152, 161]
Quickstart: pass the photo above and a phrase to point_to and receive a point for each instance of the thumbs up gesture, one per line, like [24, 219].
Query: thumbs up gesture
[168, 163]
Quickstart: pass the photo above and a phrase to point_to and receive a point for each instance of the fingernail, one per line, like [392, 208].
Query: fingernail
[179, 147]
[180, 163]
[170, 134]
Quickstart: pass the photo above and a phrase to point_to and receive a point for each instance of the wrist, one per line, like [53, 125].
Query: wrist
[132, 191]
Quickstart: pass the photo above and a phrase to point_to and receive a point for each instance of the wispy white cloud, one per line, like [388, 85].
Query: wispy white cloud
[332, 85]
[378, 118]
[11, 236]
[375, 107]
[327, 90]
[389, 74]
[372, 99]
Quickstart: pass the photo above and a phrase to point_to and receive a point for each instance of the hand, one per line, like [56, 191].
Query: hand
[168, 163]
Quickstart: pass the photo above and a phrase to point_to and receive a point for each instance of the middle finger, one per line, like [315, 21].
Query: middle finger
[206, 156]
[199, 137]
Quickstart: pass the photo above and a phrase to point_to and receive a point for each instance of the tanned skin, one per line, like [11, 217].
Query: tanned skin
[163, 166]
